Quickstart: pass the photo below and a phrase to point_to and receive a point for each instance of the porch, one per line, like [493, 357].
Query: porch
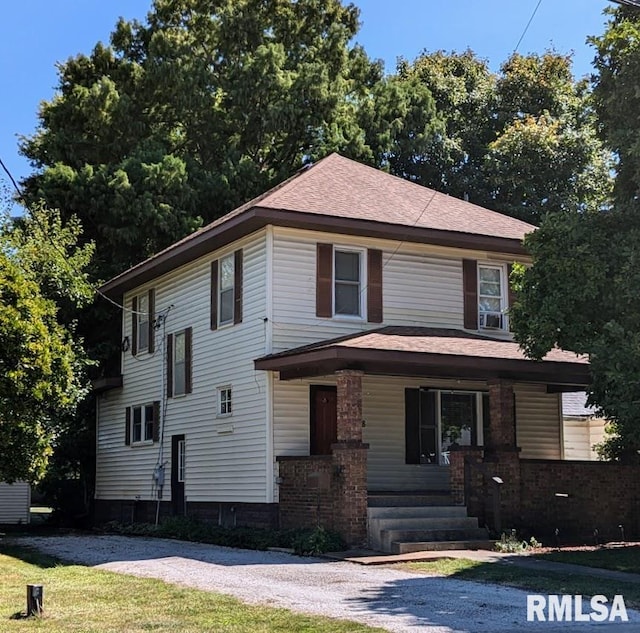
[405, 399]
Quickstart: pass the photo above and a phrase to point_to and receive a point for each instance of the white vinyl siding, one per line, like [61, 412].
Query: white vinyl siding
[15, 502]
[422, 286]
[228, 466]
[538, 428]
[580, 435]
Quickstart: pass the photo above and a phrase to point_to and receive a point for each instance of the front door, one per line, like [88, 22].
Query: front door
[177, 475]
[323, 419]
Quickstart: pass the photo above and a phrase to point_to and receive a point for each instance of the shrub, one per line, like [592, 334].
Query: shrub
[302, 541]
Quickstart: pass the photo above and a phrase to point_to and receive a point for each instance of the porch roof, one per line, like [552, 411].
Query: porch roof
[428, 352]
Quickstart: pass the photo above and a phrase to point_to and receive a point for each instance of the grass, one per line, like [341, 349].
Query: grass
[619, 558]
[83, 600]
[543, 582]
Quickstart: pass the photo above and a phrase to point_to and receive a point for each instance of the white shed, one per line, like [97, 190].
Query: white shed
[15, 501]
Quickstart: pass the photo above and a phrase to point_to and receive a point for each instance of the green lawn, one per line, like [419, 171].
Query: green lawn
[617, 558]
[82, 600]
[522, 578]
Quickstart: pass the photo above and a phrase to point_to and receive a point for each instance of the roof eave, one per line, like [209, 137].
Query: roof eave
[258, 217]
[391, 362]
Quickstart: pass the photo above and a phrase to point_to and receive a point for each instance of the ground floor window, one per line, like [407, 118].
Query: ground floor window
[437, 419]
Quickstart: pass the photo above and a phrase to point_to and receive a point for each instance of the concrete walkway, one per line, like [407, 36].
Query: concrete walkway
[528, 561]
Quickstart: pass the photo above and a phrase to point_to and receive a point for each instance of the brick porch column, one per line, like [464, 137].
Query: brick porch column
[502, 456]
[350, 460]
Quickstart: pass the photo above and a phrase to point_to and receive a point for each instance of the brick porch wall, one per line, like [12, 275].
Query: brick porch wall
[602, 496]
[307, 490]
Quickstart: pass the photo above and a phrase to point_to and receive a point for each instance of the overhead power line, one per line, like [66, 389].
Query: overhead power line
[526, 28]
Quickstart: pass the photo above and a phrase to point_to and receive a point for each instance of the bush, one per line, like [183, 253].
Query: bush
[302, 541]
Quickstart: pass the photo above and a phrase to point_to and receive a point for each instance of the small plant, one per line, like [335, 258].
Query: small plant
[316, 542]
[512, 544]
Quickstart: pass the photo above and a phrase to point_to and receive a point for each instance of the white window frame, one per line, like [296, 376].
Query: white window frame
[143, 408]
[362, 289]
[225, 401]
[504, 327]
[181, 460]
[179, 390]
[143, 322]
[231, 289]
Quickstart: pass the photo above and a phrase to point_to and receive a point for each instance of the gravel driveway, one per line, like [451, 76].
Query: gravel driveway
[395, 600]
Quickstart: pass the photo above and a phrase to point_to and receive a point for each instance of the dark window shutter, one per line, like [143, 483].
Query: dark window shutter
[412, 425]
[374, 286]
[237, 286]
[127, 428]
[214, 295]
[156, 421]
[188, 338]
[134, 326]
[169, 365]
[324, 280]
[152, 319]
[486, 420]
[470, 290]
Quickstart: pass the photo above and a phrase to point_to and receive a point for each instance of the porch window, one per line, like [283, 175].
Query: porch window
[437, 419]
[491, 297]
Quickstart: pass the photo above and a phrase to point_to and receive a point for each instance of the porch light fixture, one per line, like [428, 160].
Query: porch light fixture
[497, 480]
[563, 495]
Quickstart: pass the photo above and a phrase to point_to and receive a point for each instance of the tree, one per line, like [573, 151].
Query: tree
[583, 290]
[522, 141]
[616, 98]
[42, 363]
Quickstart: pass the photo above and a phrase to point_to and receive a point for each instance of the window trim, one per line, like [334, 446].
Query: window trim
[181, 466]
[362, 287]
[504, 297]
[229, 401]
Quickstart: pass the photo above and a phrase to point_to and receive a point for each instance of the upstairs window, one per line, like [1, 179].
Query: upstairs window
[226, 290]
[347, 284]
[347, 280]
[491, 298]
[142, 322]
[179, 363]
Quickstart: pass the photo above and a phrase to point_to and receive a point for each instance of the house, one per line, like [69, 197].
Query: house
[582, 427]
[15, 503]
[336, 344]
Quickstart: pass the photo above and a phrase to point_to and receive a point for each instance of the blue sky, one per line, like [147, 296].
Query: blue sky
[36, 34]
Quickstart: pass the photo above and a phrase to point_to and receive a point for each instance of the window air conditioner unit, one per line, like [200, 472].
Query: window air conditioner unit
[491, 320]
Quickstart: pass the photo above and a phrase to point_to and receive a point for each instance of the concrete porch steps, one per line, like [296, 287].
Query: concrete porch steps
[414, 522]
[377, 500]
[441, 546]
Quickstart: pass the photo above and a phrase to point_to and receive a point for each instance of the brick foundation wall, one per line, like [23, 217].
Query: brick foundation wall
[256, 515]
[602, 496]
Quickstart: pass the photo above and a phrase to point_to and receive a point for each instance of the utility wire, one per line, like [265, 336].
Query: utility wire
[526, 28]
[95, 289]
